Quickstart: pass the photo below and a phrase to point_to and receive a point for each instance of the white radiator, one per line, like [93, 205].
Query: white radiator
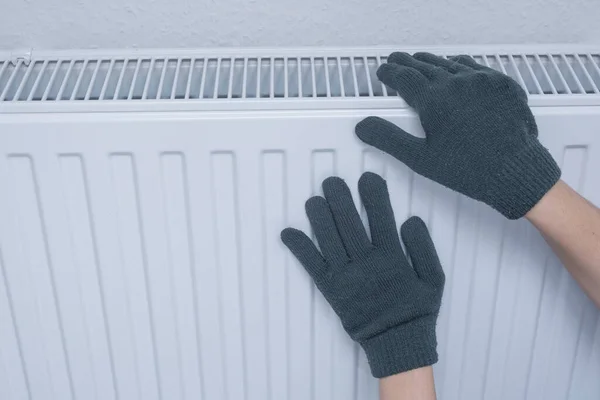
[142, 196]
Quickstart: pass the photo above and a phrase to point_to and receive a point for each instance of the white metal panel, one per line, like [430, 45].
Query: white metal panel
[141, 259]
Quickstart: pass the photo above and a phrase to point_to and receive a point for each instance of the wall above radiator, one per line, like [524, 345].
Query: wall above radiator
[181, 23]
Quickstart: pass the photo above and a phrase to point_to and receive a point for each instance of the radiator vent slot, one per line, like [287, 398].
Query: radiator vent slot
[218, 77]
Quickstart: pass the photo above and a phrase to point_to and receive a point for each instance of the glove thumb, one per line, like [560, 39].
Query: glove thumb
[393, 140]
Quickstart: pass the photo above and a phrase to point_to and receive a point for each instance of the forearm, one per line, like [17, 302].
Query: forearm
[571, 226]
[416, 384]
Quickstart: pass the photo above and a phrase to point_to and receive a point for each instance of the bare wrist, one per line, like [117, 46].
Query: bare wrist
[549, 202]
[416, 384]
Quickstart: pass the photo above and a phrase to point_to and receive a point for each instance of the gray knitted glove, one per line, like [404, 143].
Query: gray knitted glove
[386, 305]
[481, 137]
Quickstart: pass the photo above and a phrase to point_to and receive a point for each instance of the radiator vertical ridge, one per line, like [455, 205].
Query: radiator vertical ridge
[5, 294]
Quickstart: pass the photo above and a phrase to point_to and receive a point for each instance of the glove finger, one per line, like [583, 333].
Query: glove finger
[430, 71]
[408, 82]
[471, 63]
[326, 231]
[376, 199]
[346, 217]
[421, 251]
[306, 252]
[450, 66]
[393, 140]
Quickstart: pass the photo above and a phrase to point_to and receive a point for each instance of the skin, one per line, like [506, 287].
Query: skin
[416, 384]
[571, 226]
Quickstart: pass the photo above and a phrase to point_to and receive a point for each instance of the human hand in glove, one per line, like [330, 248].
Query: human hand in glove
[481, 137]
[384, 303]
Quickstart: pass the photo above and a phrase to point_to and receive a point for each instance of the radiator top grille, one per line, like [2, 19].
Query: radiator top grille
[49, 79]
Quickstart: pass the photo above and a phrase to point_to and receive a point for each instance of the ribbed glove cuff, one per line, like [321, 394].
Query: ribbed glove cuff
[523, 181]
[408, 346]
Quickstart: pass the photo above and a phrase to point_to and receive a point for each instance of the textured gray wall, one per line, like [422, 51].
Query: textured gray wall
[206, 23]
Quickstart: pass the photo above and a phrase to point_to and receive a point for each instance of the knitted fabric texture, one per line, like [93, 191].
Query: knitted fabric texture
[481, 137]
[384, 303]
